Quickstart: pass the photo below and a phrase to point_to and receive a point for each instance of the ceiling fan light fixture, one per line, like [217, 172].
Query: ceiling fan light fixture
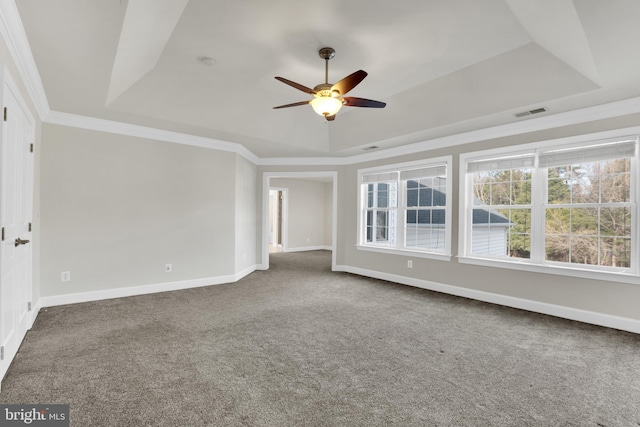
[326, 105]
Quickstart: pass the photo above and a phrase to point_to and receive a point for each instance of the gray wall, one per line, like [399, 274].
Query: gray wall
[307, 212]
[594, 295]
[246, 220]
[116, 209]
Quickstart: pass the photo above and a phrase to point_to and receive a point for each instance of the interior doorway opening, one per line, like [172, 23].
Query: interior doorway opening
[303, 217]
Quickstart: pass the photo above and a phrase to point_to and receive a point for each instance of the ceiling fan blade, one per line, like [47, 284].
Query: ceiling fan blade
[349, 82]
[296, 85]
[351, 101]
[330, 118]
[295, 104]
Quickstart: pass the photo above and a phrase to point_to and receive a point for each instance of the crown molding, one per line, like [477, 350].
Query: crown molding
[307, 161]
[583, 115]
[120, 128]
[13, 33]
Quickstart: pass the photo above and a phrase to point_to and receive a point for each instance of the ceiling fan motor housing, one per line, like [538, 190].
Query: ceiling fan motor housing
[325, 89]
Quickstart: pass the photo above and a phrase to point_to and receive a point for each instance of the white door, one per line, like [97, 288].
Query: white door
[16, 191]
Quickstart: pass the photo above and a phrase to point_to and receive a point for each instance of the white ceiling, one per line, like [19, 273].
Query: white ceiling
[442, 66]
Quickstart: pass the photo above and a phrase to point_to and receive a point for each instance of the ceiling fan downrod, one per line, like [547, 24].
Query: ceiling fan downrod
[326, 53]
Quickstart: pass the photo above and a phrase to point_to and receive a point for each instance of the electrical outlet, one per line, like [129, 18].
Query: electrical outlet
[409, 264]
[65, 276]
[168, 268]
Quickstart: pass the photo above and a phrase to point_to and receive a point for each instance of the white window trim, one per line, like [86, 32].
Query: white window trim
[399, 249]
[406, 252]
[537, 240]
[391, 213]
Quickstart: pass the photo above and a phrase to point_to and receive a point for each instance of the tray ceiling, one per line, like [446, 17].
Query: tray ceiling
[443, 67]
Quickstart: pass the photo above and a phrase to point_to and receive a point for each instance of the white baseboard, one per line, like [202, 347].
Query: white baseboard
[247, 271]
[50, 301]
[5, 364]
[595, 318]
[34, 312]
[585, 316]
[309, 248]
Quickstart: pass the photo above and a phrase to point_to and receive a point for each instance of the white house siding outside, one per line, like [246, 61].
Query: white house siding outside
[491, 241]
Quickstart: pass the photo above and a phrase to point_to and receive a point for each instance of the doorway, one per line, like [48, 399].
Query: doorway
[268, 212]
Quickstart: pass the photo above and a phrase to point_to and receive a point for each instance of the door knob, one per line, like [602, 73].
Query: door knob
[19, 242]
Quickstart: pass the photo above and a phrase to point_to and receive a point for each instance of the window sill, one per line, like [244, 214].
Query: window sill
[609, 276]
[405, 252]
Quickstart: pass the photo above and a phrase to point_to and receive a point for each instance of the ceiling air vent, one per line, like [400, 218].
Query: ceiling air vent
[373, 147]
[530, 112]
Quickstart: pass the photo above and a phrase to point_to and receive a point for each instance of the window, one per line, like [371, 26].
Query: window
[406, 208]
[588, 209]
[381, 213]
[424, 207]
[569, 206]
[501, 208]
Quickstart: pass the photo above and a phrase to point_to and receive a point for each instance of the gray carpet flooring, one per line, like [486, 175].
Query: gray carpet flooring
[298, 345]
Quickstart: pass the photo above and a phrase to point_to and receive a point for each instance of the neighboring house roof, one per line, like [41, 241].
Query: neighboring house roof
[427, 196]
[483, 216]
[430, 197]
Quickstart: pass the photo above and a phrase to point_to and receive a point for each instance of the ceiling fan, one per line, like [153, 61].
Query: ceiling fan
[327, 98]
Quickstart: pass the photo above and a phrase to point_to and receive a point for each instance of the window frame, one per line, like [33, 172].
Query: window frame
[400, 247]
[390, 211]
[418, 208]
[539, 188]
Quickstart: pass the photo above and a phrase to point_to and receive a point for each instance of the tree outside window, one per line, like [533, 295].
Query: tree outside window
[571, 204]
[588, 213]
